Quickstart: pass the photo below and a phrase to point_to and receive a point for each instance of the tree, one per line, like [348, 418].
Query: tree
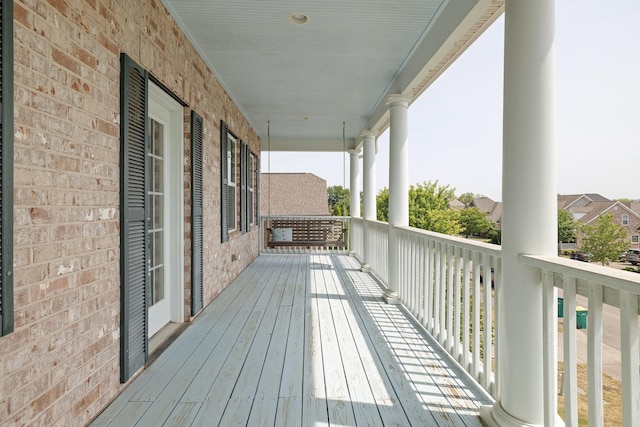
[339, 200]
[474, 222]
[428, 208]
[567, 227]
[604, 239]
[495, 235]
[382, 205]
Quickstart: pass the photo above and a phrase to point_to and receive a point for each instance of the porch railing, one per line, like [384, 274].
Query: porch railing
[305, 234]
[378, 242]
[603, 287]
[447, 284]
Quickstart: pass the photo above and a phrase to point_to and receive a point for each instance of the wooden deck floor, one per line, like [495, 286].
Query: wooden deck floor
[300, 340]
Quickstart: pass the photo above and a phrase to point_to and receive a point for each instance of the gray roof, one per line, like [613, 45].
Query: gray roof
[567, 200]
[293, 194]
[488, 206]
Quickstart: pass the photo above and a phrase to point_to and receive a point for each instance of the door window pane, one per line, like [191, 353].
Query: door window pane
[156, 199]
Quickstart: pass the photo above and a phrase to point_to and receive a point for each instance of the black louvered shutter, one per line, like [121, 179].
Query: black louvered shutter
[251, 189]
[243, 187]
[133, 220]
[6, 167]
[257, 192]
[224, 180]
[196, 213]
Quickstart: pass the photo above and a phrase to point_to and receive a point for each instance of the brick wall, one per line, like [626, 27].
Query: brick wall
[61, 365]
[633, 223]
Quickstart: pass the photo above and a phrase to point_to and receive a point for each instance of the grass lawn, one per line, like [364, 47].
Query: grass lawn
[611, 392]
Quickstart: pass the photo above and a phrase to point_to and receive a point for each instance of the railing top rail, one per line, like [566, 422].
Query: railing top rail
[493, 250]
[266, 218]
[376, 222]
[610, 277]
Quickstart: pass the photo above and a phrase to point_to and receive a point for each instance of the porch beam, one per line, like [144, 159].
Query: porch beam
[398, 184]
[529, 217]
[325, 145]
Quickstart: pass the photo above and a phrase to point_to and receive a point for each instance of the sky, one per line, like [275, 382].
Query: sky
[455, 127]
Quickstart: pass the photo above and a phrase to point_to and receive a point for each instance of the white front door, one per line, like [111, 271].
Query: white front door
[165, 293]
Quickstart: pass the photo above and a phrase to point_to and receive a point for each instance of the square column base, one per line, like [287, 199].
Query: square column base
[495, 416]
[390, 297]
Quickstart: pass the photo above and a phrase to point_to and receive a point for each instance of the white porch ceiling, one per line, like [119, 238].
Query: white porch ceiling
[306, 80]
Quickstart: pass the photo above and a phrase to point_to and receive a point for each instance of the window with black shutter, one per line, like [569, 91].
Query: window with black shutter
[251, 185]
[257, 191]
[244, 225]
[231, 170]
[6, 167]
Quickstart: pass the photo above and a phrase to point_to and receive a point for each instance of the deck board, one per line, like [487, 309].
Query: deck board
[300, 339]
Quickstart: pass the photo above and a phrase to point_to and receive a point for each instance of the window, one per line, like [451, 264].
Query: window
[238, 184]
[229, 162]
[625, 219]
[635, 238]
[232, 156]
[6, 167]
[252, 184]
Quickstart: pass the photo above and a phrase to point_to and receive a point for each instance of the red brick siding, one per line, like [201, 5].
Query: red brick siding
[61, 365]
[631, 228]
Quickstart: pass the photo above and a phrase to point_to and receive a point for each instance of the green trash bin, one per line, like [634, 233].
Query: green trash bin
[581, 317]
[560, 307]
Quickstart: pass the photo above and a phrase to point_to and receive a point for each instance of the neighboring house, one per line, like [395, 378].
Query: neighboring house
[489, 207]
[293, 194]
[585, 208]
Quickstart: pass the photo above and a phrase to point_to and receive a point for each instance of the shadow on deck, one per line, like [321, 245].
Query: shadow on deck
[300, 340]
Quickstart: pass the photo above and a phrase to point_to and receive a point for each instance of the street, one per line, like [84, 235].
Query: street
[610, 338]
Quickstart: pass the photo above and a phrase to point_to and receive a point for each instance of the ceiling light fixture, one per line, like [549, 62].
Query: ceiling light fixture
[298, 18]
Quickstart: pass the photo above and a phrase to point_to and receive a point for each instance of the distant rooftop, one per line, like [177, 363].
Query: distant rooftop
[293, 194]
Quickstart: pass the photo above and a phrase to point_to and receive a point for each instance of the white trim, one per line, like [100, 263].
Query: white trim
[576, 200]
[165, 109]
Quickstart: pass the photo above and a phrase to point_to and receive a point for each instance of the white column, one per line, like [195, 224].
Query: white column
[354, 183]
[529, 224]
[354, 188]
[369, 191]
[398, 184]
